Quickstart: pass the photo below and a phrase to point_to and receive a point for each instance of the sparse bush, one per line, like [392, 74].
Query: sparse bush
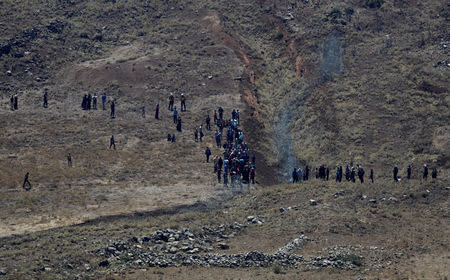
[352, 258]
[374, 3]
[276, 269]
[335, 13]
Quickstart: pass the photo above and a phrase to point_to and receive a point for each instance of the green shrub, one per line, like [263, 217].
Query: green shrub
[352, 258]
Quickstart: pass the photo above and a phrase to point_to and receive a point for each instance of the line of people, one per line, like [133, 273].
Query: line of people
[323, 172]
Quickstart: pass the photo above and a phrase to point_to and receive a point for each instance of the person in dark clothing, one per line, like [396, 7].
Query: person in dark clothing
[306, 174]
[233, 114]
[322, 172]
[434, 173]
[207, 153]
[89, 99]
[174, 138]
[103, 101]
[16, 102]
[361, 174]
[26, 183]
[425, 171]
[179, 124]
[69, 160]
[340, 174]
[337, 174]
[183, 103]
[220, 113]
[327, 173]
[196, 135]
[294, 176]
[157, 112]
[208, 122]
[253, 159]
[113, 109]
[352, 175]
[171, 101]
[200, 132]
[45, 98]
[169, 137]
[408, 172]
[220, 163]
[218, 174]
[11, 100]
[112, 142]
[371, 174]
[252, 175]
[395, 171]
[143, 111]
[347, 173]
[175, 115]
[94, 101]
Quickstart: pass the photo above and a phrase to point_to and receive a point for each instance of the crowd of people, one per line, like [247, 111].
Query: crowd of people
[234, 165]
[323, 172]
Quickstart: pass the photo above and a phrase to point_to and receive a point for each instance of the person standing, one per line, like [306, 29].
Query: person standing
[395, 171]
[45, 98]
[408, 172]
[94, 101]
[16, 102]
[294, 176]
[69, 160]
[157, 112]
[113, 109]
[26, 183]
[434, 173]
[143, 111]
[208, 122]
[207, 153]
[171, 101]
[200, 131]
[425, 171]
[183, 102]
[175, 115]
[112, 143]
[371, 174]
[196, 135]
[103, 101]
[179, 124]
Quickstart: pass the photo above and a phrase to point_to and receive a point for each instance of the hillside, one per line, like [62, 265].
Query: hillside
[316, 82]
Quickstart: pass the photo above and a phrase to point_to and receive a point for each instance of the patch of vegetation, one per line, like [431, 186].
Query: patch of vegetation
[335, 13]
[352, 258]
[374, 3]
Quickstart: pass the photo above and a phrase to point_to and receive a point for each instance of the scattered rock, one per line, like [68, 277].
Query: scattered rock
[104, 263]
[8, 73]
[282, 209]
[223, 246]
[312, 202]
[87, 267]
[2, 271]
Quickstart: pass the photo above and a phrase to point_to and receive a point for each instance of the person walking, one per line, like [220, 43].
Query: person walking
[207, 153]
[112, 142]
[434, 173]
[26, 182]
[361, 174]
[69, 160]
[157, 112]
